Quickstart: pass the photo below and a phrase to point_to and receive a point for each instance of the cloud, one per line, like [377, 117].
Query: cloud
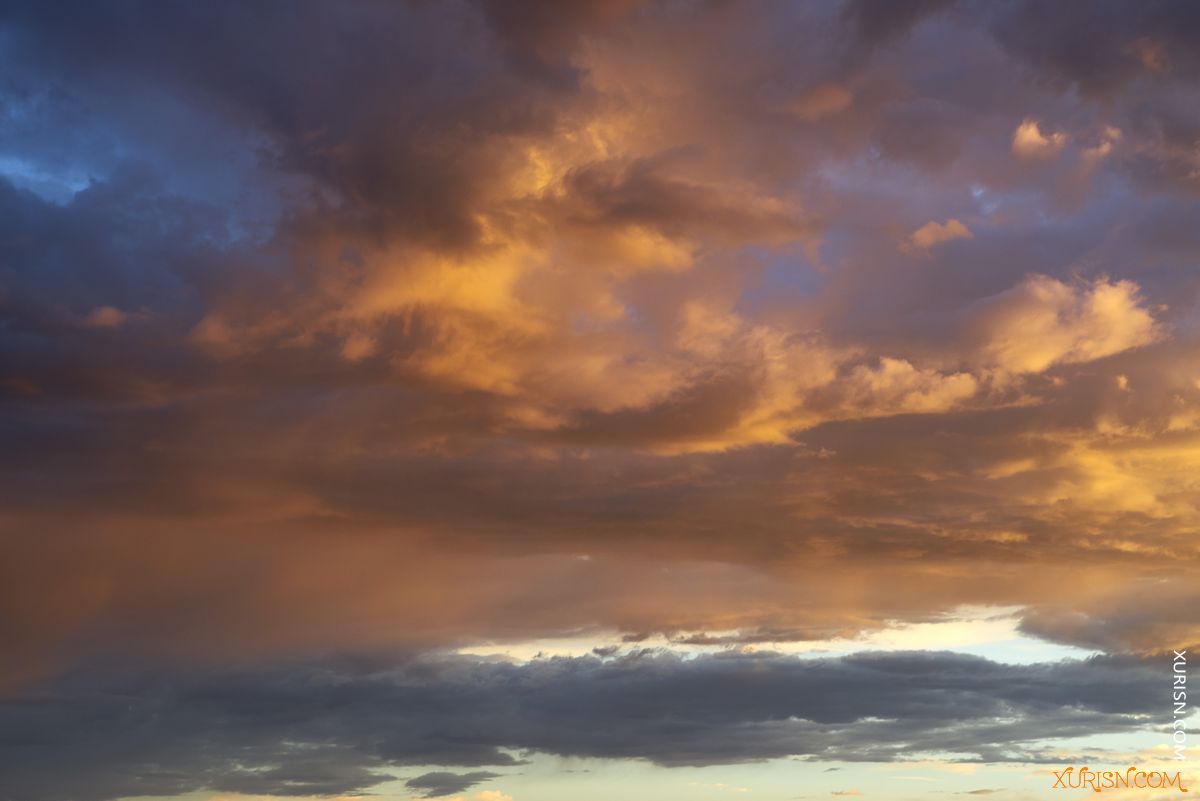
[105, 317]
[442, 783]
[509, 322]
[877, 24]
[1044, 322]
[821, 101]
[338, 727]
[1028, 141]
[1114, 60]
[899, 387]
[1147, 623]
[493, 795]
[934, 233]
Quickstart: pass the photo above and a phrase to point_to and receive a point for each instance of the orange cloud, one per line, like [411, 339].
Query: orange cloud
[1044, 322]
[934, 233]
[1028, 141]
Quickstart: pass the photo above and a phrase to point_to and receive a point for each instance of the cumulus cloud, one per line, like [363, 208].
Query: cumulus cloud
[1045, 321]
[898, 387]
[1028, 141]
[934, 233]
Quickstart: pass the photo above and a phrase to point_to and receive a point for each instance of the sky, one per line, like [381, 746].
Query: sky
[529, 401]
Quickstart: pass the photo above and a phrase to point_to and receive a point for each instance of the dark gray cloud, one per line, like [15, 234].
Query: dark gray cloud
[442, 782]
[1115, 44]
[878, 22]
[397, 138]
[340, 726]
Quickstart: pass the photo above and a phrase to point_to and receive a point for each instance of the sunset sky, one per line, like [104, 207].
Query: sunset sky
[595, 401]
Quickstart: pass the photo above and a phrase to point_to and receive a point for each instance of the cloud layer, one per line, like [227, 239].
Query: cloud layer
[337, 727]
